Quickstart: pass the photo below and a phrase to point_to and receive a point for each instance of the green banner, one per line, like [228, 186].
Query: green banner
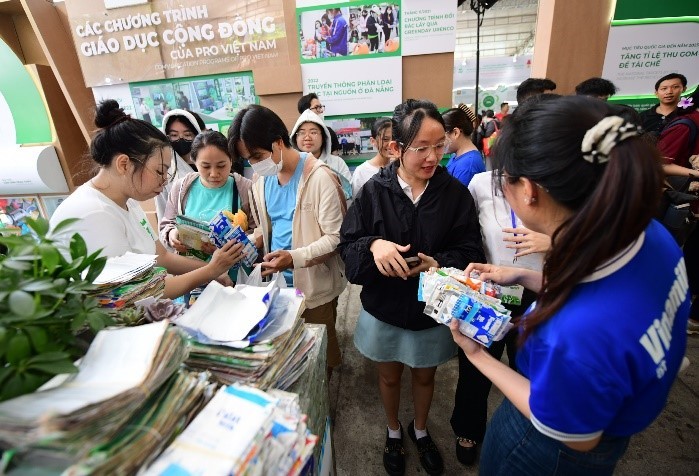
[639, 9]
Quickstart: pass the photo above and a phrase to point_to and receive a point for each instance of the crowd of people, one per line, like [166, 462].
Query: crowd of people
[566, 210]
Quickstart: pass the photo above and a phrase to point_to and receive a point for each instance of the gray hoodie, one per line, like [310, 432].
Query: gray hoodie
[178, 166]
[335, 163]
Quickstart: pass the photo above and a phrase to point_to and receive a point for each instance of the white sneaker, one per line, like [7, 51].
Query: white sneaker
[685, 363]
[692, 327]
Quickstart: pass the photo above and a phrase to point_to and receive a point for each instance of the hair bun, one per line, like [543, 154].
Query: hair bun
[109, 112]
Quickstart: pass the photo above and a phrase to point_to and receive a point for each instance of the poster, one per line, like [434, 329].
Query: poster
[348, 30]
[428, 27]
[638, 55]
[346, 89]
[51, 203]
[356, 132]
[498, 80]
[164, 39]
[14, 210]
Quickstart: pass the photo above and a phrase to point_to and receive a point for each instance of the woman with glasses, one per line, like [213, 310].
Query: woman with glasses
[602, 345]
[133, 157]
[311, 135]
[181, 127]
[201, 195]
[410, 216]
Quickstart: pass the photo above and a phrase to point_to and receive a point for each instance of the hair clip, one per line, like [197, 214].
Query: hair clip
[604, 136]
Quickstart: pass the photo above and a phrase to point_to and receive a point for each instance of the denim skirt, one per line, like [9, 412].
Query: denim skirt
[382, 342]
[513, 447]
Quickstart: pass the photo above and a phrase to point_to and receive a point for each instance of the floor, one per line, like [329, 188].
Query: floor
[669, 446]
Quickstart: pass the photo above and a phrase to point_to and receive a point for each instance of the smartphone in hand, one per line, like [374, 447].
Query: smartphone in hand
[413, 261]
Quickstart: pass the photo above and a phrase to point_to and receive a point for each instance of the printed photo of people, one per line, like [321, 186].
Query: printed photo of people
[215, 98]
[354, 136]
[347, 31]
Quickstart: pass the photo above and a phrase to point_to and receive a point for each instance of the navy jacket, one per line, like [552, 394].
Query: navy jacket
[444, 225]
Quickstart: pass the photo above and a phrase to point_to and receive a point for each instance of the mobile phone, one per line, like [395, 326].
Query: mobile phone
[413, 261]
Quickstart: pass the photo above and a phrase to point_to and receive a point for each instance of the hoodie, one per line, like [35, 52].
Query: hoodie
[178, 167]
[335, 163]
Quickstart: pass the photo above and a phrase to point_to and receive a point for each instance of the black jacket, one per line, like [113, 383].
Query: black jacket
[444, 225]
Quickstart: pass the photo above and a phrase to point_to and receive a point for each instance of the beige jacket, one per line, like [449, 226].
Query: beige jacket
[315, 231]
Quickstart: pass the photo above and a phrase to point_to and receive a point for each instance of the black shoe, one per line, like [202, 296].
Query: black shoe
[466, 454]
[394, 455]
[430, 459]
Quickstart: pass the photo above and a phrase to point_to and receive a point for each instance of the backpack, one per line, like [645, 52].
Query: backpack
[490, 140]
[692, 131]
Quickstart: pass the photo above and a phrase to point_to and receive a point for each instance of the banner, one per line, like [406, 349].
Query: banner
[345, 88]
[164, 39]
[428, 27]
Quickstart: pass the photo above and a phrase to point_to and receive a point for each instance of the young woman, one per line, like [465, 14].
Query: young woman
[201, 195]
[298, 205]
[410, 216]
[311, 135]
[133, 158]
[181, 127]
[466, 160]
[380, 139]
[605, 339]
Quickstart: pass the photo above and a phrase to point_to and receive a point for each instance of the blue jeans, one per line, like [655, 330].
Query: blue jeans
[513, 446]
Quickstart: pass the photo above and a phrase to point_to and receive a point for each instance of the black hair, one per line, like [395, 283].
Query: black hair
[379, 126]
[324, 142]
[334, 142]
[119, 133]
[209, 138]
[533, 86]
[596, 87]
[185, 120]
[615, 199]
[503, 104]
[305, 102]
[681, 111]
[408, 117]
[257, 127]
[458, 118]
[490, 113]
[681, 77]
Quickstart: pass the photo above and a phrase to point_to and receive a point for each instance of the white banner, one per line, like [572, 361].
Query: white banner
[638, 55]
[355, 87]
[427, 26]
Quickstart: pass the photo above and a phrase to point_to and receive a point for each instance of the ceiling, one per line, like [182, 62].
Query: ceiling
[508, 29]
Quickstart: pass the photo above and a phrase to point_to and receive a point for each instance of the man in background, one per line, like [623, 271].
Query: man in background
[596, 87]
[668, 90]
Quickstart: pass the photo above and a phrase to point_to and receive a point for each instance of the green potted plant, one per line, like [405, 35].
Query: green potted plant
[44, 304]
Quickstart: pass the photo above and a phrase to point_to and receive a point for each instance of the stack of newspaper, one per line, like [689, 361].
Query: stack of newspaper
[242, 430]
[74, 413]
[127, 279]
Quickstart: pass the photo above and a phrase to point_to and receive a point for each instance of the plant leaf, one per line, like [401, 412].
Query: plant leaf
[96, 268]
[55, 367]
[38, 337]
[63, 225]
[48, 357]
[39, 225]
[16, 265]
[37, 285]
[96, 322]
[49, 257]
[22, 303]
[18, 349]
[78, 247]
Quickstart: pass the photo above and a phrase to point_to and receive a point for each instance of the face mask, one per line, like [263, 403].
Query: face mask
[267, 167]
[182, 146]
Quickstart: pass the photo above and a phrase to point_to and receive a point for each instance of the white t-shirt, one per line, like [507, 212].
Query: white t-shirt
[494, 215]
[361, 175]
[104, 224]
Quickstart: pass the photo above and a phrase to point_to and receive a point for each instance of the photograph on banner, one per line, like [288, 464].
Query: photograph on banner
[354, 135]
[498, 79]
[429, 27]
[162, 39]
[51, 203]
[349, 30]
[638, 55]
[14, 211]
[215, 98]
[345, 89]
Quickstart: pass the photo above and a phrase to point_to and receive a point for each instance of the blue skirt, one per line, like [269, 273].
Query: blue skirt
[382, 342]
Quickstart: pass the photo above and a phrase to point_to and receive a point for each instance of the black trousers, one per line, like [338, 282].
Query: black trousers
[470, 414]
[691, 261]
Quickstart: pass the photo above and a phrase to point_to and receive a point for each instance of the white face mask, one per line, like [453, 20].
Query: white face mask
[267, 167]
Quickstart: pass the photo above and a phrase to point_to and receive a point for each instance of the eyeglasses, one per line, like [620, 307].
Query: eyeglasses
[424, 151]
[318, 108]
[166, 177]
[311, 133]
[188, 136]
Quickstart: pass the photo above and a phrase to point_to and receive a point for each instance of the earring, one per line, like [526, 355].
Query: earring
[526, 200]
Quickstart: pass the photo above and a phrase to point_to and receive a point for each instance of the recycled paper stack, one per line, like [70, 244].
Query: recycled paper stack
[242, 430]
[248, 334]
[74, 414]
[127, 279]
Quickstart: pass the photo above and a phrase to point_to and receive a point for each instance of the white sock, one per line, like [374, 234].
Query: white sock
[419, 433]
[394, 433]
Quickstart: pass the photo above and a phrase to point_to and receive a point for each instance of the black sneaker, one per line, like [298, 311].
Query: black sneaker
[394, 455]
[430, 459]
[466, 454]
